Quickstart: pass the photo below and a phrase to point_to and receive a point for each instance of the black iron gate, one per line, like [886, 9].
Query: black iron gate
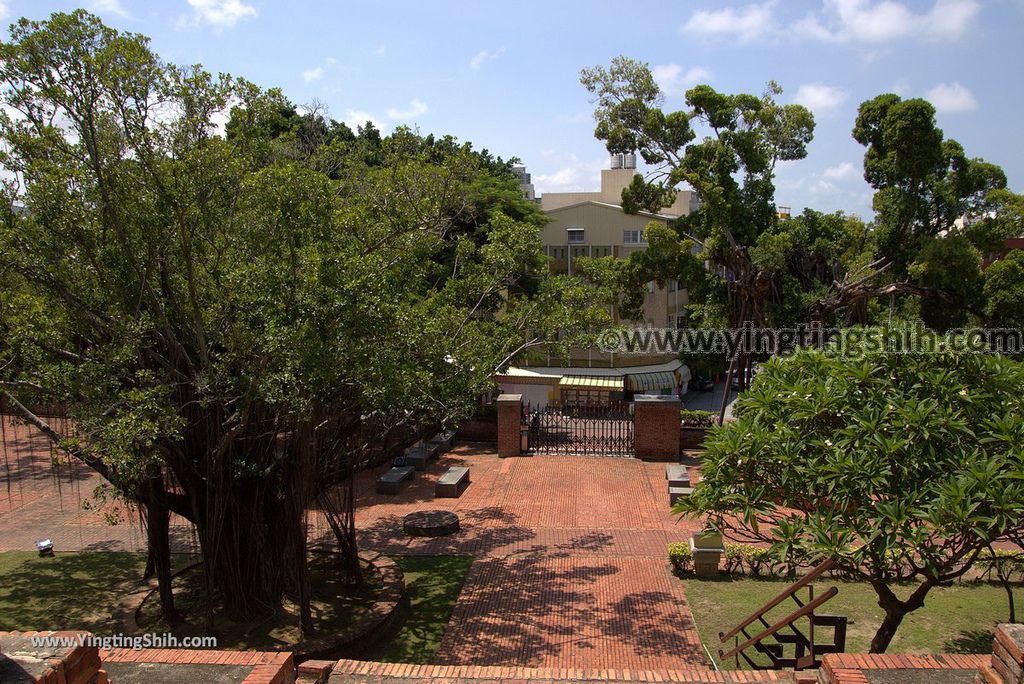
[581, 430]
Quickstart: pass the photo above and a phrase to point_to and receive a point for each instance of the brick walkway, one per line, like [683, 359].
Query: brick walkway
[571, 569]
[40, 499]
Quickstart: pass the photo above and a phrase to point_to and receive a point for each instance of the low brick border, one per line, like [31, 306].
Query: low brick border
[848, 668]
[353, 641]
[489, 673]
[127, 610]
[267, 667]
[368, 630]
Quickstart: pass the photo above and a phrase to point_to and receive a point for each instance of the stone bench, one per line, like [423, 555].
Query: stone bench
[417, 456]
[391, 481]
[452, 483]
[442, 441]
[677, 475]
[675, 493]
[435, 447]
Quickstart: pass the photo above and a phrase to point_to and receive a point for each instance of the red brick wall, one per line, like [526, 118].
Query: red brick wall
[656, 428]
[1007, 664]
[510, 413]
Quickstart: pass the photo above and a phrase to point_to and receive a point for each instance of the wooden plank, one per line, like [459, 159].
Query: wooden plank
[784, 622]
[796, 586]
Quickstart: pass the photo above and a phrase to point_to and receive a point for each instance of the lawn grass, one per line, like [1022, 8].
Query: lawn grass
[79, 590]
[334, 606]
[957, 619]
[433, 584]
[66, 591]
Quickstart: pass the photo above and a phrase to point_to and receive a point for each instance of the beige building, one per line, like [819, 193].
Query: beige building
[593, 224]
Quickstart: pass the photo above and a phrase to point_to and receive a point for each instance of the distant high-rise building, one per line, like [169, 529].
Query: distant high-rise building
[525, 182]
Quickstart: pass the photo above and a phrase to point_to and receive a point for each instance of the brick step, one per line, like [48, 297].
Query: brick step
[361, 671]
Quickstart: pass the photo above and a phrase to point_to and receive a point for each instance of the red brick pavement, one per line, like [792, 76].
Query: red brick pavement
[44, 497]
[572, 611]
[571, 569]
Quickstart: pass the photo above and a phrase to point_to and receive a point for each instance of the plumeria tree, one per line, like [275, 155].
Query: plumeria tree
[903, 467]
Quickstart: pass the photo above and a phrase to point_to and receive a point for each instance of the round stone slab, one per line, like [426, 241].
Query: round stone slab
[431, 523]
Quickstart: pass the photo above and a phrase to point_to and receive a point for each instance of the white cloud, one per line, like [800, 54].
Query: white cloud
[672, 79]
[820, 98]
[310, 75]
[952, 98]
[380, 50]
[220, 14]
[416, 108]
[479, 58]
[864, 22]
[569, 174]
[3, 10]
[840, 172]
[882, 21]
[108, 7]
[355, 118]
[745, 24]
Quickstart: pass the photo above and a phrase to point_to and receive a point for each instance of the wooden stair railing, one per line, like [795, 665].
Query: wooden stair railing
[807, 651]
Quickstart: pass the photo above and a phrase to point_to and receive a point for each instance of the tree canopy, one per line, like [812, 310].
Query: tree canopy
[903, 467]
[238, 322]
[939, 212]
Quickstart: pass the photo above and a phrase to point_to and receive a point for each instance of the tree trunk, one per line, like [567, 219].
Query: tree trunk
[1004, 579]
[159, 543]
[887, 630]
[895, 611]
[244, 539]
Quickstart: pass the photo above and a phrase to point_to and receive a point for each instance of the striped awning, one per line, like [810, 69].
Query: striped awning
[611, 383]
[648, 382]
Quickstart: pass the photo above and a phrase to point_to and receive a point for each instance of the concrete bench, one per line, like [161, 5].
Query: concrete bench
[677, 475]
[675, 493]
[391, 481]
[435, 447]
[452, 483]
[417, 457]
[441, 442]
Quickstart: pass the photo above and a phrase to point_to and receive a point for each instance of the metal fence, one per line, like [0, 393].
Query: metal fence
[581, 430]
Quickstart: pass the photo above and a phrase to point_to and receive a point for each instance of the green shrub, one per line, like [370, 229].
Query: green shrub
[761, 562]
[1004, 563]
[735, 558]
[699, 419]
[680, 556]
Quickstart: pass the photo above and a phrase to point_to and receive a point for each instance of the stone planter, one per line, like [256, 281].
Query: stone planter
[707, 549]
[692, 437]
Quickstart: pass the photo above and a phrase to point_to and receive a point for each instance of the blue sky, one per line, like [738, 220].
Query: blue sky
[505, 76]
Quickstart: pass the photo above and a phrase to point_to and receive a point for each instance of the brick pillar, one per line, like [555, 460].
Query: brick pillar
[21, 660]
[510, 416]
[1007, 666]
[656, 427]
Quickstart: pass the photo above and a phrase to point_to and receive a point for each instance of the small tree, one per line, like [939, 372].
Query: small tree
[903, 467]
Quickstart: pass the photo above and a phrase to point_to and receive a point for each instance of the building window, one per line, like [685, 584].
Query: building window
[673, 285]
[575, 236]
[632, 237]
